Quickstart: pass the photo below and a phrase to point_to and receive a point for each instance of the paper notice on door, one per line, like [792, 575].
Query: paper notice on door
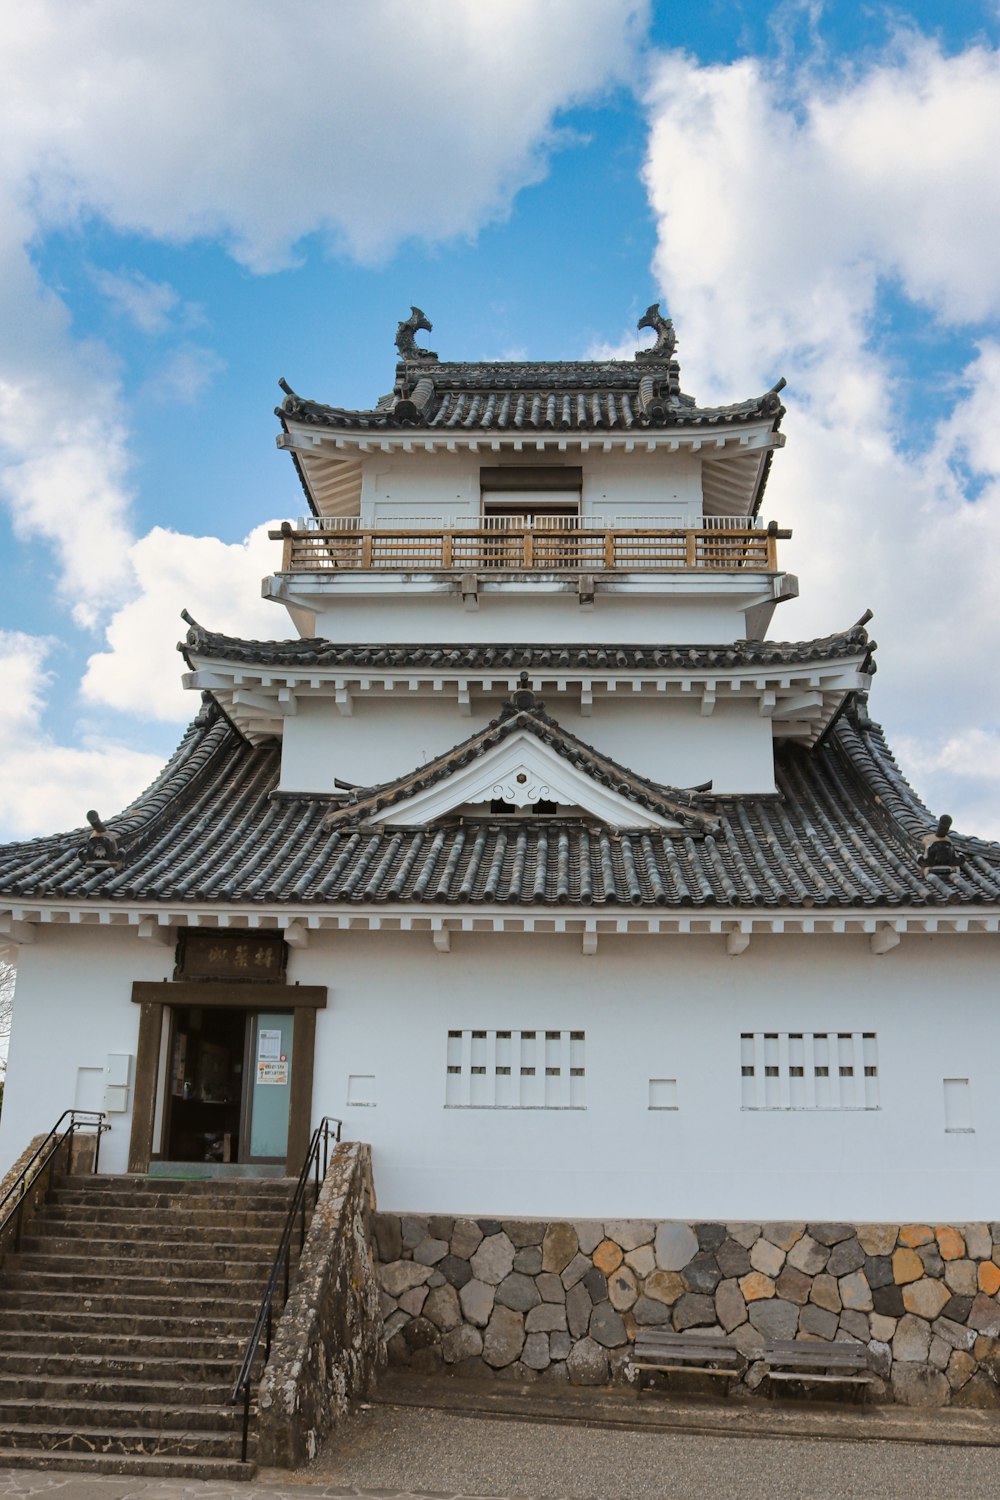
[268, 1046]
[272, 1072]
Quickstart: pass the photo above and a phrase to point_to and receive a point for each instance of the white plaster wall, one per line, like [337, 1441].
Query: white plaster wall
[665, 1007]
[407, 613]
[667, 740]
[651, 1007]
[435, 484]
[73, 1006]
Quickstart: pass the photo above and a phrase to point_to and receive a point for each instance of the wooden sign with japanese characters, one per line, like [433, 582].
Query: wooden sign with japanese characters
[253, 956]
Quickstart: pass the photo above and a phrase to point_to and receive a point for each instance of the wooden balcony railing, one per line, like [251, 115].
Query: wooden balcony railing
[529, 549]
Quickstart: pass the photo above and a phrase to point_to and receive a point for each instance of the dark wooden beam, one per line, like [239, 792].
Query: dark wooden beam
[223, 993]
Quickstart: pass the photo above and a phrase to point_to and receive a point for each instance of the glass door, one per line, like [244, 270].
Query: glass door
[270, 1085]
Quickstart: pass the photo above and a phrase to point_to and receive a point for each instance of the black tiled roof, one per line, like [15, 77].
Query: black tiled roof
[843, 831]
[317, 652]
[582, 395]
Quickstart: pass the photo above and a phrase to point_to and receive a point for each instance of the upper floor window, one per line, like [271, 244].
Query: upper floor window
[545, 495]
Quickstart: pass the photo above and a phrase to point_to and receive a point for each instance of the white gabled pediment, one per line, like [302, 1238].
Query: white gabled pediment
[523, 770]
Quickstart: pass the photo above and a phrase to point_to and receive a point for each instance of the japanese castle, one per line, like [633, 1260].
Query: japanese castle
[530, 854]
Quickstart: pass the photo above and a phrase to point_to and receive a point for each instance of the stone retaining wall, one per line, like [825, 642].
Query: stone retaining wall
[563, 1300]
[328, 1345]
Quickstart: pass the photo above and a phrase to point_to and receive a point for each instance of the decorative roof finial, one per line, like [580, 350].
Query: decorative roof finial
[405, 343]
[101, 850]
[666, 338]
[940, 856]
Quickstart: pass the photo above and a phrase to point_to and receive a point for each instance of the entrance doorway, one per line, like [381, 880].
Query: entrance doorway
[228, 1085]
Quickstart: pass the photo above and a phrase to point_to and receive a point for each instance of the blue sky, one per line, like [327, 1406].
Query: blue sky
[809, 189]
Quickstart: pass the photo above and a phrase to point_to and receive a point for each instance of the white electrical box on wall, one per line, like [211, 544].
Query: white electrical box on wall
[116, 1069]
[115, 1099]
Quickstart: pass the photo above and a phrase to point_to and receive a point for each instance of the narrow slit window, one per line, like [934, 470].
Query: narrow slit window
[515, 1070]
[809, 1070]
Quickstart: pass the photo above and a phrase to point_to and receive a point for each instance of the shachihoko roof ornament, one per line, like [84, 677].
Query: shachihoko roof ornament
[102, 850]
[405, 336]
[666, 337]
[941, 857]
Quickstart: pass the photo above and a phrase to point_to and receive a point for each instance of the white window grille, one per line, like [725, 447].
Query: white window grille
[516, 1070]
[809, 1070]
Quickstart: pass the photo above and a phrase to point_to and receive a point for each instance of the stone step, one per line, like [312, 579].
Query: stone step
[212, 1313]
[219, 1469]
[102, 1343]
[47, 1389]
[23, 1367]
[126, 1223]
[30, 1277]
[211, 1423]
[109, 1182]
[49, 1247]
[165, 1442]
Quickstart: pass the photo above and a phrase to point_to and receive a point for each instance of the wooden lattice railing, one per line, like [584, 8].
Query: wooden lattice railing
[529, 548]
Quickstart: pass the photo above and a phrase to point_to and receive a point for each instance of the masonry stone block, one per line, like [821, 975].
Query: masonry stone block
[808, 1255]
[399, 1276]
[906, 1266]
[623, 1288]
[608, 1256]
[984, 1315]
[664, 1286]
[879, 1358]
[579, 1267]
[590, 1233]
[931, 1261]
[414, 1229]
[649, 1313]
[466, 1238]
[926, 1298]
[956, 1334]
[818, 1322]
[518, 1291]
[529, 1260]
[755, 1286]
[559, 1345]
[877, 1239]
[550, 1287]
[912, 1235]
[477, 1298]
[535, 1354]
[702, 1274]
[767, 1258]
[775, 1318]
[693, 1311]
[978, 1241]
[743, 1234]
[958, 1308]
[443, 1308]
[388, 1237]
[642, 1261]
[987, 1278]
[710, 1236]
[521, 1233]
[831, 1234]
[546, 1317]
[793, 1285]
[587, 1363]
[783, 1235]
[494, 1259]
[855, 1293]
[578, 1309]
[420, 1332]
[430, 1251]
[559, 1247]
[412, 1301]
[455, 1270]
[504, 1337]
[629, 1233]
[733, 1259]
[855, 1324]
[845, 1257]
[882, 1327]
[961, 1368]
[951, 1243]
[597, 1284]
[826, 1292]
[888, 1300]
[730, 1307]
[674, 1245]
[606, 1326]
[878, 1271]
[912, 1340]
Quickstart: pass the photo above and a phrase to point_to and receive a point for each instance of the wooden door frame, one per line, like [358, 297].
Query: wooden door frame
[303, 1000]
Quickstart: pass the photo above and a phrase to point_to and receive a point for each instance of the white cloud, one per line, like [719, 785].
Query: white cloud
[784, 208]
[216, 582]
[190, 121]
[184, 374]
[376, 121]
[64, 780]
[149, 304]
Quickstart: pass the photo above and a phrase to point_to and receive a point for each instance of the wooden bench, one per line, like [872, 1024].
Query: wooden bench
[816, 1362]
[656, 1351]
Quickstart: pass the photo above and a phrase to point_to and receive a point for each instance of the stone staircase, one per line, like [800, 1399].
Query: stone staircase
[123, 1321]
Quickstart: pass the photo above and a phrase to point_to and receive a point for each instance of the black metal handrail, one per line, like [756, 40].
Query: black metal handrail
[59, 1136]
[281, 1269]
